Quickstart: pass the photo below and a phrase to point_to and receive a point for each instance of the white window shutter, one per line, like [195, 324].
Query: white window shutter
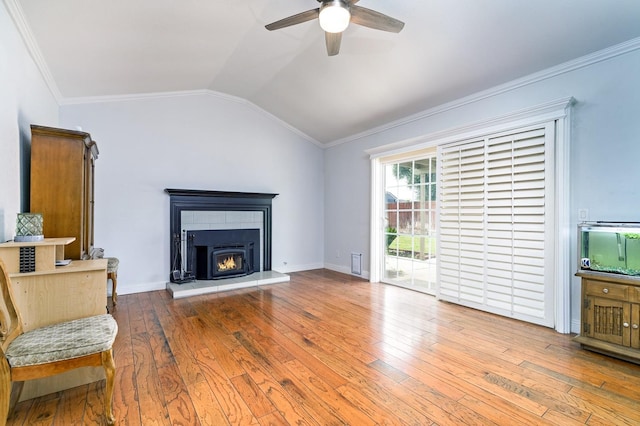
[494, 224]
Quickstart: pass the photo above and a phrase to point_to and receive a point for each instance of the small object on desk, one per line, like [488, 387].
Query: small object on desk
[63, 262]
[29, 227]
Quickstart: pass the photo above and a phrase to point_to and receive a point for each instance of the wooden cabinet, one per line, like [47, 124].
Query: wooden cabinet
[610, 317]
[62, 182]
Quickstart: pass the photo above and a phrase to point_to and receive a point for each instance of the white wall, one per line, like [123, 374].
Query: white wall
[195, 141]
[24, 99]
[605, 149]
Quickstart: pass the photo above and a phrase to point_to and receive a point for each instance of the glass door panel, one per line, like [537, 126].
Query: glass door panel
[410, 234]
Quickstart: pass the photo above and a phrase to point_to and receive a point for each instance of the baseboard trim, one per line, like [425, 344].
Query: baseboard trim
[345, 270]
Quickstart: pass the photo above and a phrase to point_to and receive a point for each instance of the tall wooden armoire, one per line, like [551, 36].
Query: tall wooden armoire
[62, 176]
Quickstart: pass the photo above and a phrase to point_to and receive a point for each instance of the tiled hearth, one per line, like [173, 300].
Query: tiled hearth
[199, 287]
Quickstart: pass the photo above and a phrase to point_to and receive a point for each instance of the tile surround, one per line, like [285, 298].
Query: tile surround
[199, 220]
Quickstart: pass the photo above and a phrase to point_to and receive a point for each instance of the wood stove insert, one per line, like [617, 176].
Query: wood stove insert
[215, 254]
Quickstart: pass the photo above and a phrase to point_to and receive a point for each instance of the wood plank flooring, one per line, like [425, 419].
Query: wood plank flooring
[332, 349]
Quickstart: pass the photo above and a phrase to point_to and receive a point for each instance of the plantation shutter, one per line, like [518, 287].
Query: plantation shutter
[496, 224]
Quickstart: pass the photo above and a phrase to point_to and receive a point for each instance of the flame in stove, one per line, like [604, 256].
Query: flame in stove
[228, 264]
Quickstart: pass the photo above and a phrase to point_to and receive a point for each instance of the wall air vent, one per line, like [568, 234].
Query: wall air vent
[356, 263]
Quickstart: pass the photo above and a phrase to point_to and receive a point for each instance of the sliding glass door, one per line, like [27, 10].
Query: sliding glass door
[503, 223]
[410, 223]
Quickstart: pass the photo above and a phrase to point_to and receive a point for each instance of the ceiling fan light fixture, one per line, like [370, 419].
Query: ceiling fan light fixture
[334, 16]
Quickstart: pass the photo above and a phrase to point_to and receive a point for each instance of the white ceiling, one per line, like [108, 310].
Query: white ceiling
[448, 49]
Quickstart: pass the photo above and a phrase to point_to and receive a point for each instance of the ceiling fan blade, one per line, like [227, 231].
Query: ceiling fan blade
[333, 43]
[294, 19]
[376, 20]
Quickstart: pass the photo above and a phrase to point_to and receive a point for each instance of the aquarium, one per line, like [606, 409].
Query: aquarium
[609, 247]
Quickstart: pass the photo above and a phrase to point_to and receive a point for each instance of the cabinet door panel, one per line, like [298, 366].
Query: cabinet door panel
[635, 326]
[608, 320]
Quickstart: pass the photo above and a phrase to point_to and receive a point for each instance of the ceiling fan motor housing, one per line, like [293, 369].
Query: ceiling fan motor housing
[334, 15]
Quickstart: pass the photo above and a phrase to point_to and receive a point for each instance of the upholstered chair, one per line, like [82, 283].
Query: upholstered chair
[54, 349]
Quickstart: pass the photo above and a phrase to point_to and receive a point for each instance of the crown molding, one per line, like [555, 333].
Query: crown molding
[203, 92]
[32, 46]
[80, 100]
[17, 14]
[536, 114]
[584, 61]
[287, 125]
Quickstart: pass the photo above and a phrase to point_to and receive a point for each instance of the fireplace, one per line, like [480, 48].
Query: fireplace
[215, 254]
[196, 253]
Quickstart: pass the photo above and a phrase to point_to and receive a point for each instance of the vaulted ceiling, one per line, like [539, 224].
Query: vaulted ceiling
[448, 49]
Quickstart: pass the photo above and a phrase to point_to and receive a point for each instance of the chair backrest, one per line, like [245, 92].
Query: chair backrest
[10, 320]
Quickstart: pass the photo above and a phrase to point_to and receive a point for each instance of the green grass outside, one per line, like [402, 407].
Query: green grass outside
[404, 243]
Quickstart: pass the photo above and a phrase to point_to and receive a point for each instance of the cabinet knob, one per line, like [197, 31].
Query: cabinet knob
[635, 326]
[625, 325]
[605, 290]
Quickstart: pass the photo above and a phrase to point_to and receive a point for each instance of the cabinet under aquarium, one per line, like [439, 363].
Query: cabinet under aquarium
[609, 268]
[609, 247]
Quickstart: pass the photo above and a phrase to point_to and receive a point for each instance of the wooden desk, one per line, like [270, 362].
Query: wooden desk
[47, 252]
[53, 294]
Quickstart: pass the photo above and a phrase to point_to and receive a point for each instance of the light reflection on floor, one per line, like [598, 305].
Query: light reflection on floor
[406, 325]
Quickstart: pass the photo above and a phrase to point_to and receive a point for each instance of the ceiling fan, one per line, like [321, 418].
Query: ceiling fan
[334, 17]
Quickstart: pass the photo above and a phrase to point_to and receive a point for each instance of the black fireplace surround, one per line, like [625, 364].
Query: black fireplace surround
[201, 200]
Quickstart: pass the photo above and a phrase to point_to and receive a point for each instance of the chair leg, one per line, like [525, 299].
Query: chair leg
[5, 390]
[16, 392]
[110, 373]
[114, 284]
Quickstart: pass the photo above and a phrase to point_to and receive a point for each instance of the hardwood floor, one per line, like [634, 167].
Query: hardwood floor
[331, 349]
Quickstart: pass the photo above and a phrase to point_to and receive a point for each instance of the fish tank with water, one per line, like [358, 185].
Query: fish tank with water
[612, 247]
